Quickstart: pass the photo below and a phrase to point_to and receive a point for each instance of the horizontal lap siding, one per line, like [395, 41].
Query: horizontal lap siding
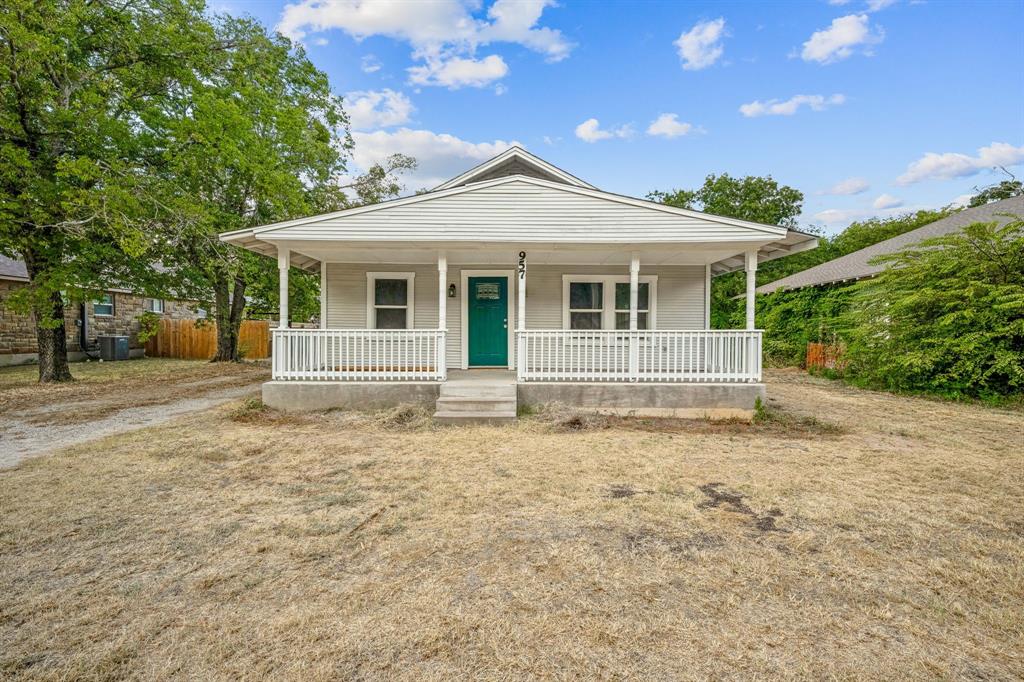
[680, 303]
[519, 211]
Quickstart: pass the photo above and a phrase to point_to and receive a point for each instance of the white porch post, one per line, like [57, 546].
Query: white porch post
[442, 314]
[521, 321]
[751, 267]
[283, 263]
[323, 294]
[707, 296]
[634, 295]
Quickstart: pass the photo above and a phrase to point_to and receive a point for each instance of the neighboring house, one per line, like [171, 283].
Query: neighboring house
[115, 313]
[574, 294]
[857, 265]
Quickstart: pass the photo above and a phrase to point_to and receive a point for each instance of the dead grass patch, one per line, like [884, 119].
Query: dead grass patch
[244, 544]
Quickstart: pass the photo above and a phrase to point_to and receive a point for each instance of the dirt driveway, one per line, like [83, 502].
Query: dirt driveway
[110, 398]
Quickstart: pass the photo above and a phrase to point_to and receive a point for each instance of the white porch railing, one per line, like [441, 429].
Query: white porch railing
[643, 356]
[359, 354]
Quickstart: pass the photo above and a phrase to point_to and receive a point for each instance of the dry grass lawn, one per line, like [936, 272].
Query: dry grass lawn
[856, 535]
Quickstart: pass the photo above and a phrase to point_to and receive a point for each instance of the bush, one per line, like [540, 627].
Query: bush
[946, 317]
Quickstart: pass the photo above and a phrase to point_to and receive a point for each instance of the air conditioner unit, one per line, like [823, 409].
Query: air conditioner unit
[113, 347]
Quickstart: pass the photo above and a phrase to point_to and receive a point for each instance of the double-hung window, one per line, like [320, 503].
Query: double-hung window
[103, 306]
[591, 302]
[154, 305]
[389, 300]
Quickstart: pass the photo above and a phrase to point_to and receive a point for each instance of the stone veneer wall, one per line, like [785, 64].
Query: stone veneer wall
[18, 332]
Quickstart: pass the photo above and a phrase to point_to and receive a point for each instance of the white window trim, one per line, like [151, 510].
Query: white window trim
[99, 301]
[410, 314]
[608, 294]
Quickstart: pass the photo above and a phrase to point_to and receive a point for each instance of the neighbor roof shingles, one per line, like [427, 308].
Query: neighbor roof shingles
[856, 265]
[13, 269]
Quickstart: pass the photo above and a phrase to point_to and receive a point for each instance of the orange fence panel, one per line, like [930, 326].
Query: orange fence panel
[185, 340]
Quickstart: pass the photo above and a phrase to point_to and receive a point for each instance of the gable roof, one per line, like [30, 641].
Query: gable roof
[857, 265]
[514, 161]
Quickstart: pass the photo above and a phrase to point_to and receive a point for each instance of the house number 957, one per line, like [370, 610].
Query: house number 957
[522, 264]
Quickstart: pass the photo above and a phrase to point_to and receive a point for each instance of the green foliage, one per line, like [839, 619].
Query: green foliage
[149, 325]
[77, 198]
[945, 317]
[1004, 190]
[792, 319]
[759, 199]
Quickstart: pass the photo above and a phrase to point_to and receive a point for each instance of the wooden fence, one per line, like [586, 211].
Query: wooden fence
[825, 356]
[183, 339]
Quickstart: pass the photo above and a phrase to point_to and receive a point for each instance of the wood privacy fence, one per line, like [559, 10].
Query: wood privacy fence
[825, 356]
[183, 339]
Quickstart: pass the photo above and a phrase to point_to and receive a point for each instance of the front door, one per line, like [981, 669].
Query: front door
[488, 321]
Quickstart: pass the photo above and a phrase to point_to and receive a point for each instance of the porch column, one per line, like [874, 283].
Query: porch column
[521, 321]
[323, 294]
[442, 313]
[751, 263]
[707, 296]
[283, 263]
[634, 295]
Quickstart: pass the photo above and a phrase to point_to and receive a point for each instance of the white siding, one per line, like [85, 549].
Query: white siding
[524, 210]
[680, 301]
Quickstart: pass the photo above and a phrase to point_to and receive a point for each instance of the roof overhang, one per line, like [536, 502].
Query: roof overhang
[794, 242]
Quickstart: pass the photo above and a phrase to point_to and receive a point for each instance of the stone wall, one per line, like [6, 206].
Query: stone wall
[18, 332]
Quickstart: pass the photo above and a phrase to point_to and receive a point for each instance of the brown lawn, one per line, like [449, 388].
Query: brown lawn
[854, 535]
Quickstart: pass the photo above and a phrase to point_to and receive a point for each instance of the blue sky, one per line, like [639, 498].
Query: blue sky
[870, 107]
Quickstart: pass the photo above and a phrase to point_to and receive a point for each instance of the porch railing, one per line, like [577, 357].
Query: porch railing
[359, 354]
[640, 356]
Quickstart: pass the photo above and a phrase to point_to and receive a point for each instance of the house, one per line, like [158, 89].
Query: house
[116, 313]
[857, 265]
[518, 283]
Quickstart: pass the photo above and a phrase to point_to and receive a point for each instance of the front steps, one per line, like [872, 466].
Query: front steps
[477, 399]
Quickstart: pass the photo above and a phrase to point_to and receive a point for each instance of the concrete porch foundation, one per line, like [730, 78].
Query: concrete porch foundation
[304, 396]
[688, 401]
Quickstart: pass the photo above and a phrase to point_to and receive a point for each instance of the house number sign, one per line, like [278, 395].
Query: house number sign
[522, 265]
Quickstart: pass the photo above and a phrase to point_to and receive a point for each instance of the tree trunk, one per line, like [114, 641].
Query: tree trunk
[51, 332]
[52, 341]
[229, 307]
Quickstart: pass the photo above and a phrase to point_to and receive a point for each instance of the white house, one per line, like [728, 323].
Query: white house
[574, 294]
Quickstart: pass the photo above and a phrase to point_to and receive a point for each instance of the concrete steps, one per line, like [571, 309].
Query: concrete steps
[476, 401]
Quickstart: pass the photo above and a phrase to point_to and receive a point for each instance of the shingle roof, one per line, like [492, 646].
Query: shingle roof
[13, 269]
[856, 265]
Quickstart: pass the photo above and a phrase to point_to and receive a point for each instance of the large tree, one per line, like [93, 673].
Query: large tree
[758, 199]
[77, 79]
[258, 138]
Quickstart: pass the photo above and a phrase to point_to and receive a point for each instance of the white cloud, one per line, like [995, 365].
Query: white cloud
[668, 125]
[774, 107]
[439, 156]
[701, 46]
[377, 109]
[590, 131]
[369, 64]
[443, 33]
[887, 201]
[840, 38]
[320, 42]
[845, 216]
[849, 186]
[458, 72]
[837, 3]
[877, 5]
[951, 165]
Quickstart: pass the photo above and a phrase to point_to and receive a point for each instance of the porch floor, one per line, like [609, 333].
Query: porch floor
[483, 374]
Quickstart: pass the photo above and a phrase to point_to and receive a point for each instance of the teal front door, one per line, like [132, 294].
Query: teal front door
[487, 304]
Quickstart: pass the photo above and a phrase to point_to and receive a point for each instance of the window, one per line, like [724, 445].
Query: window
[586, 304]
[201, 313]
[389, 300]
[154, 305]
[602, 302]
[643, 302]
[103, 306]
